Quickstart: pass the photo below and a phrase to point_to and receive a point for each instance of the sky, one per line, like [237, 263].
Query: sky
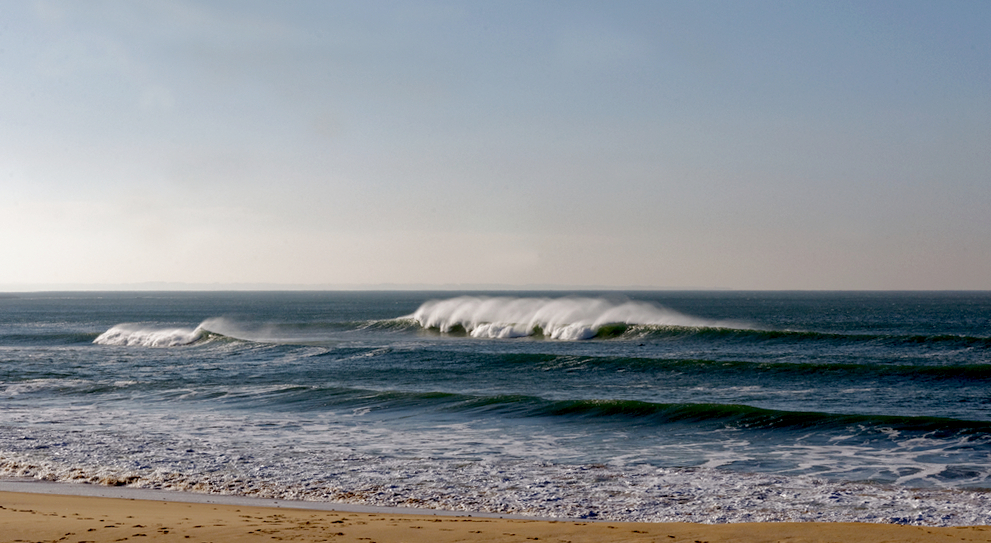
[696, 144]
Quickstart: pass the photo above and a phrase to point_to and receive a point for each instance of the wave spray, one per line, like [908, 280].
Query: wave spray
[570, 318]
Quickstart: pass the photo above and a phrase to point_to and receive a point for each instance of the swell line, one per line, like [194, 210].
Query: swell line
[713, 415]
[48, 338]
[713, 368]
[799, 336]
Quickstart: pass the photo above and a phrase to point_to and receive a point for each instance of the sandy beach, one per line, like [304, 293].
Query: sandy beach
[27, 517]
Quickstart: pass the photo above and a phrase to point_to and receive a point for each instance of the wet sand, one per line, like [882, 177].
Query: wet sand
[29, 517]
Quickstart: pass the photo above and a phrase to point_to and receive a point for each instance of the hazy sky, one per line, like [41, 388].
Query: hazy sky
[748, 145]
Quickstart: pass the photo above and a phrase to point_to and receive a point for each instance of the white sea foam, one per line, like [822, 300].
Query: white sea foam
[569, 318]
[32, 386]
[636, 493]
[142, 335]
[460, 466]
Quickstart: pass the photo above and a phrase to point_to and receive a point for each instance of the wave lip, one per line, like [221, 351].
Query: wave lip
[139, 335]
[570, 318]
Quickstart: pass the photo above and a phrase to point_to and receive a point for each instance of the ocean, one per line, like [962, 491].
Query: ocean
[640, 406]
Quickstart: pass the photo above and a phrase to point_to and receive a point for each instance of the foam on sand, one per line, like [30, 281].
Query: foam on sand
[30, 517]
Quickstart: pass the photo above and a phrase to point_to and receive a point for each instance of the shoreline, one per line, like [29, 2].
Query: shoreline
[23, 485]
[50, 516]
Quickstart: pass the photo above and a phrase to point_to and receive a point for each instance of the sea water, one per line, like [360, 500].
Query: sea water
[646, 406]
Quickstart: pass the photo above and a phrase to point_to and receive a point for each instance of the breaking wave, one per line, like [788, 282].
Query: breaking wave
[568, 318]
[142, 335]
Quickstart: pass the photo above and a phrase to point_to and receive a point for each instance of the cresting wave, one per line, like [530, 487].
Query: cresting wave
[554, 318]
[139, 335]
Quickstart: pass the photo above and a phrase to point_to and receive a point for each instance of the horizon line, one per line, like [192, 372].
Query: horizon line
[178, 286]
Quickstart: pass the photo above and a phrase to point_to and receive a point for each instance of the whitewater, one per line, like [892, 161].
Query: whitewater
[570, 318]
